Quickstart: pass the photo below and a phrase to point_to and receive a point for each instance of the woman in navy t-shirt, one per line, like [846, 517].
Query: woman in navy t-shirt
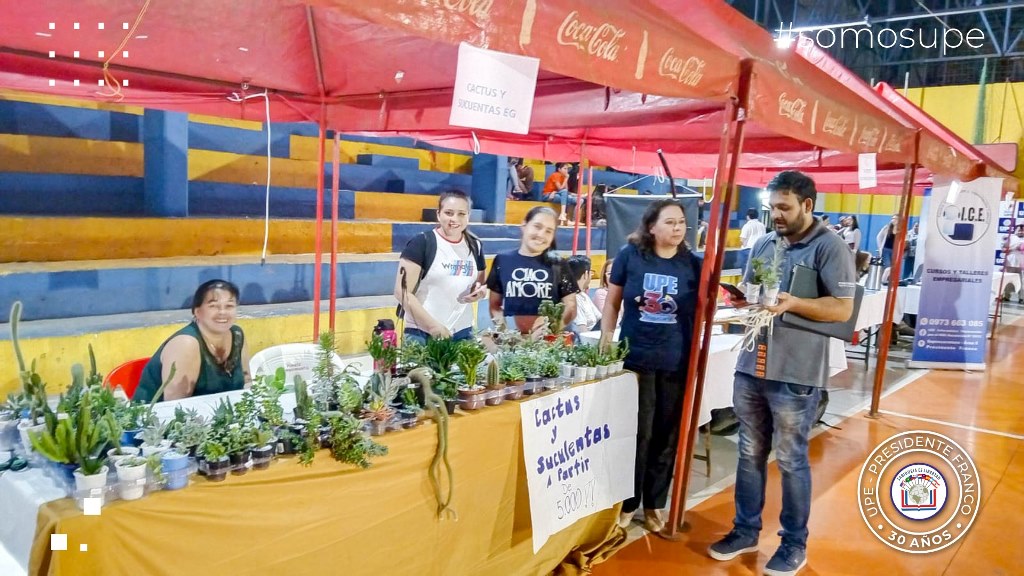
[520, 280]
[656, 278]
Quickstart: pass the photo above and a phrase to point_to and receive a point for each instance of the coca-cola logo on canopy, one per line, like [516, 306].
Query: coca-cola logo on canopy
[601, 40]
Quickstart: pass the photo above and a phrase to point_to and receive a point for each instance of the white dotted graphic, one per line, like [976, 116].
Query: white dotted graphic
[58, 542]
[100, 54]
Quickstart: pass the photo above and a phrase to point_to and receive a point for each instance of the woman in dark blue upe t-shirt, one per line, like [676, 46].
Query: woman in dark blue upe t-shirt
[520, 280]
[656, 277]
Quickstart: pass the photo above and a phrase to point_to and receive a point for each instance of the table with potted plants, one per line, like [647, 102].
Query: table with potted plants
[347, 469]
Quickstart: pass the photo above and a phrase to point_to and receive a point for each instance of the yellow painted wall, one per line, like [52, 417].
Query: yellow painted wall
[55, 356]
[26, 239]
[47, 155]
[306, 148]
[955, 106]
[34, 98]
[208, 165]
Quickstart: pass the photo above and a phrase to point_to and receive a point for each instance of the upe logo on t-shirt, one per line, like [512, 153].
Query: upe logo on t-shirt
[658, 305]
[528, 283]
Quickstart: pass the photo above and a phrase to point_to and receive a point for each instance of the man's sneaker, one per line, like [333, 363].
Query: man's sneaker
[732, 546]
[786, 561]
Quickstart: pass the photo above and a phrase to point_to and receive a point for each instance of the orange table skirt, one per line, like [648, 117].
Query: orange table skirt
[332, 518]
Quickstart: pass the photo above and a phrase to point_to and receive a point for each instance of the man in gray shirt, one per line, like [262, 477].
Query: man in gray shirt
[778, 384]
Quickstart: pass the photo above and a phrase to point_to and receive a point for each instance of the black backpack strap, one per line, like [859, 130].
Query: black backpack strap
[429, 253]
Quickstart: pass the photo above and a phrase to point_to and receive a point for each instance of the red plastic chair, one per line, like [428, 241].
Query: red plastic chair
[126, 376]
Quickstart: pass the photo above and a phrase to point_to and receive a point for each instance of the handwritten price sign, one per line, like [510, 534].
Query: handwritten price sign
[579, 446]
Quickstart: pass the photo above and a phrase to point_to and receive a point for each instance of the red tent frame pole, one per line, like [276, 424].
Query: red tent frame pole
[335, 161]
[590, 205]
[707, 301]
[576, 208]
[318, 257]
[895, 272]
[1002, 273]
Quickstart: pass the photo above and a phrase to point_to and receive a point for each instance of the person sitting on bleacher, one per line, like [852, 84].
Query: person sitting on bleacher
[209, 355]
[521, 176]
[556, 190]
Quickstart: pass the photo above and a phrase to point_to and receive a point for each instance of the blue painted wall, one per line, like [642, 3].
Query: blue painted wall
[72, 294]
[67, 122]
[70, 194]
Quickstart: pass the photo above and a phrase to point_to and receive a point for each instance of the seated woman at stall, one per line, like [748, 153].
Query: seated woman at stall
[521, 279]
[209, 355]
[588, 315]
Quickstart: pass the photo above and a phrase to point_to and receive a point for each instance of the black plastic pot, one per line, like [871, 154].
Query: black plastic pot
[450, 406]
[217, 471]
[238, 461]
[261, 457]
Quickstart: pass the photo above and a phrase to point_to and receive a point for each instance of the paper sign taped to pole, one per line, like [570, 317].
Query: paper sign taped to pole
[493, 90]
[867, 170]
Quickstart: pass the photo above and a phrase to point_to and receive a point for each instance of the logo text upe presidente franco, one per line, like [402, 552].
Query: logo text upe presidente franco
[869, 37]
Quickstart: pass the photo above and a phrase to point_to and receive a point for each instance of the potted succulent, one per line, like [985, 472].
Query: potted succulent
[131, 476]
[236, 442]
[187, 431]
[494, 384]
[349, 444]
[554, 313]
[174, 469]
[267, 390]
[471, 354]
[216, 459]
[132, 418]
[550, 364]
[153, 441]
[410, 407]
[263, 451]
[378, 413]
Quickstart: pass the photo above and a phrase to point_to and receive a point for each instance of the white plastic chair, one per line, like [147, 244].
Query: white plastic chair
[295, 358]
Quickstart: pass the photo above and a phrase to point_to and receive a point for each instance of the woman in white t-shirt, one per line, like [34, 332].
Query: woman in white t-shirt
[588, 315]
[440, 274]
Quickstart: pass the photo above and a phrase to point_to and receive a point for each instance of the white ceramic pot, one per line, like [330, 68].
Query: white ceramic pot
[602, 372]
[753, 292]
[619, 366]
[113, 457]
[131, 481]
[566, 371]
[8, 434]
[26, 426]
[579, 374]
[591, 372]
[92, 486]
[771, 296]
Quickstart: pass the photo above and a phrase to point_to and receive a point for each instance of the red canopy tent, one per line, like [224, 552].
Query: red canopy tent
[620, 80]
